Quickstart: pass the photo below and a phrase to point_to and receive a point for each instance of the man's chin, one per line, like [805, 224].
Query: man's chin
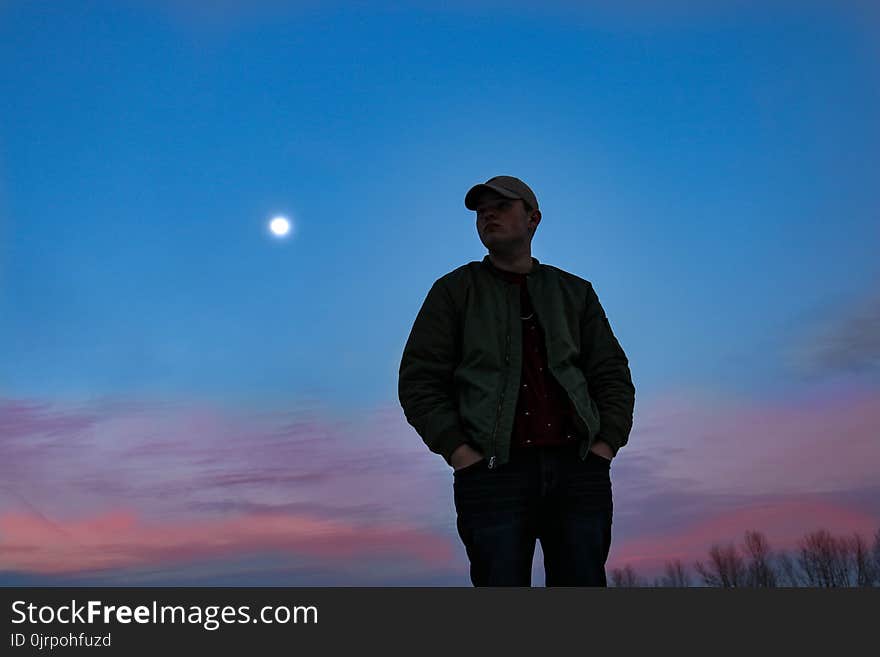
[499, 247]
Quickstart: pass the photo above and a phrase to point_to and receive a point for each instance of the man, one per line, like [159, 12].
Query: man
[511, 372]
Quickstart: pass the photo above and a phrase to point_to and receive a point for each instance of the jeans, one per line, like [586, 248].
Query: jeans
[543, 493]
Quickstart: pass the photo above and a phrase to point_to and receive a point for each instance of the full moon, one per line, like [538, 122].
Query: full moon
[279, 226]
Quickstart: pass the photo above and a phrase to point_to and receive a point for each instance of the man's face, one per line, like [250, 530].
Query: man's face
[503, 224]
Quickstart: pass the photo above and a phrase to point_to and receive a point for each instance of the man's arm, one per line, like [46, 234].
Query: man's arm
[425, 385]
[606, 368]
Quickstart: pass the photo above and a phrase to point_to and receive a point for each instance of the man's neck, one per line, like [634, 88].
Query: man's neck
[520, 264]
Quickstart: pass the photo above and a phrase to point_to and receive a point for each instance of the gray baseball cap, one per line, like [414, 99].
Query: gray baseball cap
[507, 186]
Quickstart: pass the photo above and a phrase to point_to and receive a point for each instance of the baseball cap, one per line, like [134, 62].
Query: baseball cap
[507, 186]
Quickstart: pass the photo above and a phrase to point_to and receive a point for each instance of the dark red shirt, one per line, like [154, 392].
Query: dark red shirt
[544, 411]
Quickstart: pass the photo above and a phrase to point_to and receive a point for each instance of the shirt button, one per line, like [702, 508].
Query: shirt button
[525, 385]
[548, 425]
[525, 412]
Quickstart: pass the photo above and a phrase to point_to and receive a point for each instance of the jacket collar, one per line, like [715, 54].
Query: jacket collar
[487, 263]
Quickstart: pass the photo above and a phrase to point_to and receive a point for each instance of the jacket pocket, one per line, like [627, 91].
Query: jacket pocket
[476, 465]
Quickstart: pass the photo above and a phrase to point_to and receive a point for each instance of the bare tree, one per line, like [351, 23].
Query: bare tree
[725, 567]
[759, 572]
[863, 562]
[821, 560]
[789, 572]
[675, 575]
[625, 577]
[825, 560]
[875, 554]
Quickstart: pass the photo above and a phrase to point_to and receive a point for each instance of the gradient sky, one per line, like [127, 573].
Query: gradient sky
[185, 399]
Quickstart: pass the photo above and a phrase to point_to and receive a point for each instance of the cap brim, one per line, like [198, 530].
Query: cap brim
[470, 199]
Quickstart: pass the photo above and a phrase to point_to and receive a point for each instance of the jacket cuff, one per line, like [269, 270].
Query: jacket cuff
[447, 442]
[610, 441]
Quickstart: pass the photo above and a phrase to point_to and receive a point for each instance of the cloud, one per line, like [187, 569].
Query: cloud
[783, 520]
[122, 485]
[29, 418]
[844, 340]
[709, 468]
[121, 539]
[160, 490]
[822, 440]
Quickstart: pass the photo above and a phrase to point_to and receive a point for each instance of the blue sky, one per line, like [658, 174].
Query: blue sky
[712, 172]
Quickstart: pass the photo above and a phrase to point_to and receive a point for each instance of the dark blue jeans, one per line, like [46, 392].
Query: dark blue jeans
[543, 493]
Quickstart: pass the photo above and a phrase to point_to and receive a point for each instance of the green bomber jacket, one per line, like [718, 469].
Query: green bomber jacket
[460, 372]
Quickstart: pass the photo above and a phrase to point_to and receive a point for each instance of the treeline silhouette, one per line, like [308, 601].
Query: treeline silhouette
[819, 560]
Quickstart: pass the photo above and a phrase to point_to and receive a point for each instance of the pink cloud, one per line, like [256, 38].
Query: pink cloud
[154, 484]
[165, 459]
[121, 484]
[707, 468]
[19, 417]
[822, 441]
[121, 539]
[784, 522]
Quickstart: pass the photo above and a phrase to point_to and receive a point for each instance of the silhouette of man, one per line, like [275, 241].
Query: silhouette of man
[511, 372]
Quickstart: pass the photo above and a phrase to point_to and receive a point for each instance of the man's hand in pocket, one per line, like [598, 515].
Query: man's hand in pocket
[602, 448]
[463, 456]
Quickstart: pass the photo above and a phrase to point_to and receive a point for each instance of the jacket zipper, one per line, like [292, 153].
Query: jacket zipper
[504, 385]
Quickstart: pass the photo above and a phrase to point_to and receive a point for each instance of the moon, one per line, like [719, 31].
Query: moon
[280, 226]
